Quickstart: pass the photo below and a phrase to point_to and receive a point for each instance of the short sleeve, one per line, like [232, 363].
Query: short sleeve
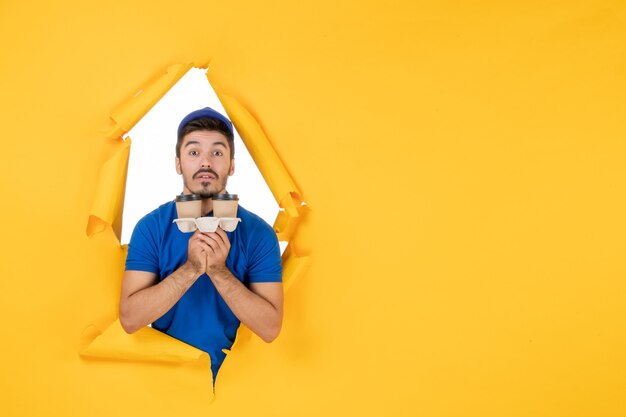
[143, 253]
[264, 256]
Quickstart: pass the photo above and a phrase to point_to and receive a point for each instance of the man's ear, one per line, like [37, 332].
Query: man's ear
[177, 162]
[232, 167]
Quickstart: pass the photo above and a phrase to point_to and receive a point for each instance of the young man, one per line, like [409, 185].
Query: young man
[198, 287]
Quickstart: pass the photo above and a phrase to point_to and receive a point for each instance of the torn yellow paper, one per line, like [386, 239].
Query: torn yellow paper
[293, 266]
[273, 170]
[108, 201]
[260, 148]
[127, 114]
[287, 219]
[145, 344]
[149, 347]
[114, 343]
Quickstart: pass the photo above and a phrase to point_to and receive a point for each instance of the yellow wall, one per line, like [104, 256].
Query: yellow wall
[464, 165]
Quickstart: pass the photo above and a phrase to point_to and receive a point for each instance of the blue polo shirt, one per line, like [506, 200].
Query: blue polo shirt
[201, 318]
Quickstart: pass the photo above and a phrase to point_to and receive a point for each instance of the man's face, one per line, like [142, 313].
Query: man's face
[204, 163]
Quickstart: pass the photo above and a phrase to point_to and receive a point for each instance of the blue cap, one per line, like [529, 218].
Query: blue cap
[205, 112]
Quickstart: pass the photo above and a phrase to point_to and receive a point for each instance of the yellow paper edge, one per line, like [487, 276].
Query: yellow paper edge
[127, 114]
[146, 344]
[109, 196]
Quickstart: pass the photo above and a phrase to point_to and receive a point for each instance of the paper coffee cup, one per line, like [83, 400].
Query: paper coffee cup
[225, 205]
[189, 205]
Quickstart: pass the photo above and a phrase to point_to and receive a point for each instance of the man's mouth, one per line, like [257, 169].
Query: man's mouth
[204, 176]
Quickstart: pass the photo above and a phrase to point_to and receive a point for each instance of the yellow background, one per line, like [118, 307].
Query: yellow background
[464, 165]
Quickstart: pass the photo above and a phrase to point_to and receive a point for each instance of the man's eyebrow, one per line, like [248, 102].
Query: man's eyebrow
[195, 142]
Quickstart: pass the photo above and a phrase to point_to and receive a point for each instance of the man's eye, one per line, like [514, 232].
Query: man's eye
[193, 153]
[217, 153]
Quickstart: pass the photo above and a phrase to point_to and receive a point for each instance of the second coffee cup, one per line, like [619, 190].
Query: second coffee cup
[225, 205]
[189, 205]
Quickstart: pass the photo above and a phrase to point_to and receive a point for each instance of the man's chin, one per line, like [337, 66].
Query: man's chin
[205, 192]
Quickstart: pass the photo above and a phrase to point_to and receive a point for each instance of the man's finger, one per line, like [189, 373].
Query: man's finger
[198, 239]
[206, 247]
[209, 239]
[222, 234]
[201, 244]
[216, 243]
[215, 236]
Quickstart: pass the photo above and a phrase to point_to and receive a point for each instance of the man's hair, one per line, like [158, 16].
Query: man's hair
[210, 124]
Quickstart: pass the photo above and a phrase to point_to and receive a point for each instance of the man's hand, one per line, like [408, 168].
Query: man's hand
[196, 253]
[217, 252]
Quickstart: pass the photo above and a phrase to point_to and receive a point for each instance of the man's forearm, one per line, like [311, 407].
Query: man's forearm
[251, 309]
[149, 304]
